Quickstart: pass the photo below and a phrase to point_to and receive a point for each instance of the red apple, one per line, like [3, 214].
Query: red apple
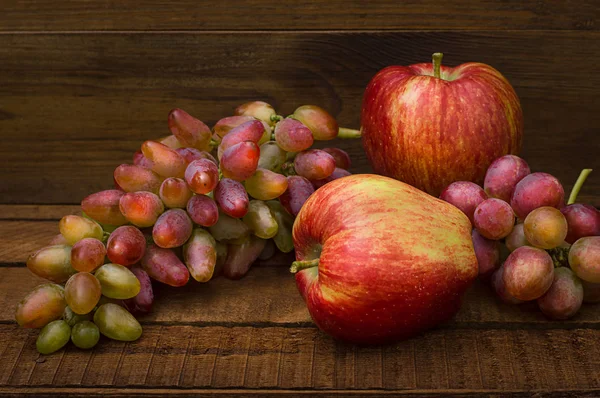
[379, 260]
[430, 125]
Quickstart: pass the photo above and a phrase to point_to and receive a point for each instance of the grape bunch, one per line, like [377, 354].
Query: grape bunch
[554, 247]
[197, 203]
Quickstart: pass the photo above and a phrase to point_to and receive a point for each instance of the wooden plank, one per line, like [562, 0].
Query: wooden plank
[264, 358]
[335, 14]
[233, 348]
[37, 212]
[76, 105]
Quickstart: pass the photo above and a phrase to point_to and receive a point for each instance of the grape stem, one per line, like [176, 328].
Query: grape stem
[578, 184]
[304, 264]
[437, 64]
[348, 133]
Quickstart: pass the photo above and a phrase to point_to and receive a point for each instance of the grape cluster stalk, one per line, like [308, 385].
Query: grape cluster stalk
[195, 204]
[552, 251]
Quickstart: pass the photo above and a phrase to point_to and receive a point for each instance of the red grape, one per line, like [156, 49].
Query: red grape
[292, 136]
[250, 131]
[342, 159]
[565, 296]
[584, 258]
[232, 198]
[240, 257]
[494, 219]
[189, 131]
[141, 208]
[203, 210]
[87, 255]
[173, 228]
[582, 219]
[142, 303]
[258, 109]
[516, 238]
[126, 245]
[545, 227]
[487, 252]
[191, 154]
[500, 289]
[200, 255]
[465, 195]
[103, 207]
[164, 266]
[314, 164]
[299, 189]
[140, 160]
[44, 304]
[225, 125]
[175, 193]
[202, 176]
[528, 273]
[240, 160]
[337, 173]
[266, 185]
[322, 125]
[166, 161]
[536, 190]
[503, 175]
[136, 178]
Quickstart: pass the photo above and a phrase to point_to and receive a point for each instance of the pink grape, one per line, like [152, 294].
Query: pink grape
[103, 207]
[203, 210]
[142, 303]
[565, 296]
[545, 227]
[584, 258]
[175, 193]
[232, 198]
[44, 304]
[536, 190]
[465, 195]
[258, 109]
[173, 228]
[341, 157]
[322, 125]
[337, 173]
[164, 266]
[190, 131]
[200, 255]
[494, 219]
[225, 125]
[582, 219]
[252, 131]
[126, 245]
[87, 255]
[141, 208]
[299, 189]
[516, 238]
[136, 178]
[487, 252]
[240, 257]
[500, 289]
[58, 240]
[292, 136]
[191, 154]
[240, 160]
[82, 292]
[166, 161]
[171, 141]
[266, 184]
[52, 263]
[140, 160]
[314, 164]
[528, 273]
[503, 175]
[202, 176]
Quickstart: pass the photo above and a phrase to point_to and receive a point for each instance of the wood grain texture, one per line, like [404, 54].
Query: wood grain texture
[23, 15]
[74, 106]
[162, 360]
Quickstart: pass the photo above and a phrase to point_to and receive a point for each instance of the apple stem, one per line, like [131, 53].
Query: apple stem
[348, 133]
[437, 64]
[578, 184]
[304, 264]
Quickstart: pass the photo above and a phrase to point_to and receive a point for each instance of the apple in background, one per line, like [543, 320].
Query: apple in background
[430, 125]
[379, 260]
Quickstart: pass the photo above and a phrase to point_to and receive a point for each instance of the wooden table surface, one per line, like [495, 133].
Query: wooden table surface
[82, 84]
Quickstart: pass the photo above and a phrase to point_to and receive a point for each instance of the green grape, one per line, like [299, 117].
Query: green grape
[45, 303]
[266, 185]
[117, 281]
[75, 228]
[283, 239]
[260, 220]
[116, 323]
[85, 335]
[52, 263]
[228, 227]
[53, 337]
[72, 318]
[271, 157]
[82, 292]
[241, 257]
[200, 256]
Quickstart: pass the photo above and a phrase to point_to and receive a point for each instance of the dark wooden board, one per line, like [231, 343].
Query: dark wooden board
[22, 15]
[73, 106]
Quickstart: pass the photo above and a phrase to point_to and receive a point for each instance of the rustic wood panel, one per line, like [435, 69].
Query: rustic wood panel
[23, 15]
[437, 358]
[73, 106]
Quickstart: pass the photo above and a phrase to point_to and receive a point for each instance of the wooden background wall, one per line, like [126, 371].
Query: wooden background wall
[83, 83]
